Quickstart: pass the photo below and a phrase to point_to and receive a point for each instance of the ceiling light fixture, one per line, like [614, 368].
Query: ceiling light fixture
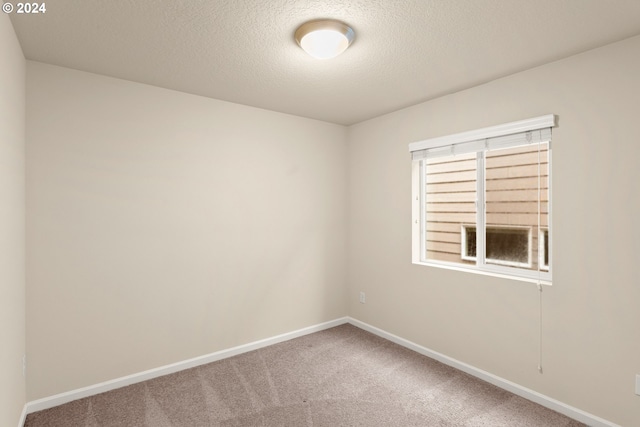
[324, 38]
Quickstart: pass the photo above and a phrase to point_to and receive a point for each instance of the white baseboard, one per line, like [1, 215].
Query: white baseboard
[59, 399]
[534, 396]
[548, 402]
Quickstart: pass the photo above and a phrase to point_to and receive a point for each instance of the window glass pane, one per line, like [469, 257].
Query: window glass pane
[513, 192]
[506, 245]
[469, 243]
[450, 205]
[544, 249]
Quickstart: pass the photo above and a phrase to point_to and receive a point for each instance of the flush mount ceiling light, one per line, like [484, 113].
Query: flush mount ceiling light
[324, 38]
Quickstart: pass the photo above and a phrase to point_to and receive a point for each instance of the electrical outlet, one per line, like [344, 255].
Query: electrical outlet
[362, 298]
[638, 384]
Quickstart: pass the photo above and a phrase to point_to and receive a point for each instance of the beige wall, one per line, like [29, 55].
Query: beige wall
[164, 226]
[591, 316]
[12, 210]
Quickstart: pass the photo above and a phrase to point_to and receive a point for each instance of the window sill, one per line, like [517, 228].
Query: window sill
[485, 272]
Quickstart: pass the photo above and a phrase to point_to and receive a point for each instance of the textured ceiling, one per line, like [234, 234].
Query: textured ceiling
[243, 51]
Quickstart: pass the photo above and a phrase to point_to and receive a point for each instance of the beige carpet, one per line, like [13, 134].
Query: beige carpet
[343, 376]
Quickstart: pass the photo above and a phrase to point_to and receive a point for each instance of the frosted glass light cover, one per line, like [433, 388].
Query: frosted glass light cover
[324, 44]
[324, 39]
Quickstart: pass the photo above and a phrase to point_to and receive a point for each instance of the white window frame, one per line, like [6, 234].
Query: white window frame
[447, 144]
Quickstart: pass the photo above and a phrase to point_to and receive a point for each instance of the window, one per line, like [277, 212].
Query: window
[481, 200]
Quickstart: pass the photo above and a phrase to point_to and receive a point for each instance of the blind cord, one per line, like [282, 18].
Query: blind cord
[540, 328]
[538, 262]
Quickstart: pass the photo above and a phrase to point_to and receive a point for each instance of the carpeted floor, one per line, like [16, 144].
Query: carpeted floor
[343, 376]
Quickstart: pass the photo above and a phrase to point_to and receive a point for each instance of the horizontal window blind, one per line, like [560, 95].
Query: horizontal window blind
[531, 131]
